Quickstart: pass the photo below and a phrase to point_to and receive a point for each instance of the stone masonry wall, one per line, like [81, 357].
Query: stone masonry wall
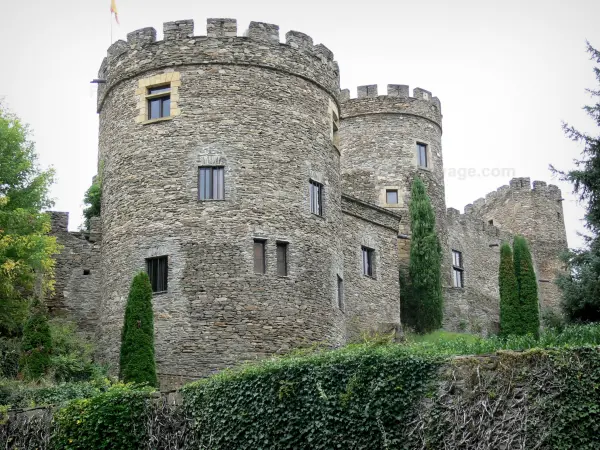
[476, 306]
[371, 304]
[378, 140]
[261, 110]
[536, 214]
[77, 274]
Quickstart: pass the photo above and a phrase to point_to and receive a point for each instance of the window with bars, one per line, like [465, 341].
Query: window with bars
[422, 160]
[340, 292]
[158, 271]
[457, 269]
[368, 260]
[211, 183]
[282, 258]
[316, 198]
[159, 102]
[391, 196]
[260, 262]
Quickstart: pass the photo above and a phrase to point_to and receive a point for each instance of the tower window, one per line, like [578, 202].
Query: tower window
[158, 271]
[368, 261]
[457, 269]
[340, 292]
[335, 126]
[211, 183]
[316, 198]
[282, 258]
[260, 263]
[422, 160]
[491, 222]
[391, 196]
[159, 102]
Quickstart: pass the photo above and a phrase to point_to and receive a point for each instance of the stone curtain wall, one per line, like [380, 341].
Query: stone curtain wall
[537, 214]
[77, 275]
[476, 307]
[260, 109]
[371, 304]
[378, 137]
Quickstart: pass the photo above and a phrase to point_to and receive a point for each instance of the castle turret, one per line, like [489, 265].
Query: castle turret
[221, 177]
[387, 140]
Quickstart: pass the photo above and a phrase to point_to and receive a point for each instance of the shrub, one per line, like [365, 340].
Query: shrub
[510, 319]
[529, 312]
[137, 363]
[10, 352]
[36, 344]
[423, 308]
[93, 200]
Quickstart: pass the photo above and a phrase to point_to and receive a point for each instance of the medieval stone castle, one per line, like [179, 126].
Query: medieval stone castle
[269, 208]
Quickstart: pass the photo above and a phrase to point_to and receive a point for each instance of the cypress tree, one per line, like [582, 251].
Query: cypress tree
[36, 344]
[529, 311]
[509, 294]
[137, 339]
[424, 308]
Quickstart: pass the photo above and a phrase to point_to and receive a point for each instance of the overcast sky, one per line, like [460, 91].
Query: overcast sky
[507, 73]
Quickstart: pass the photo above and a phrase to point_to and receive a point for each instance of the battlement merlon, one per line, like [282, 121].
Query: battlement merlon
[260, 47]
[516, 186]
[397, 101]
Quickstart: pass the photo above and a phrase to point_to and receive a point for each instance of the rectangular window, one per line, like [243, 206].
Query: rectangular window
[422, 155]
[340, 292]
[159, 102]
[260, 263]
[367, 261]
[335, 125]
[282, 258]
[457, 269]
[316, 198]
[158, 271]
[211, 183]
[391, 196]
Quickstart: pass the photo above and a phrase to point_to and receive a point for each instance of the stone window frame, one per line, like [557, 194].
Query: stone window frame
[172, 79]
[285, 245]
[212, 167]
[334, 117]
[458, 268]
[416, 143]
[340, 298]
[321, 196]
[383, 196]
[263, 242]
[164, 259]
[371, 257]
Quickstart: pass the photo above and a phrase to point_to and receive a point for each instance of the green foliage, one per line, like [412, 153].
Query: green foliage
[529, 310]
[441, 336]
[423, 304]
[36, 345]
[25, 247]
[10, 352]
[550, 318]
[111, 420]
[137, 363]
[580, 286]
[93, 200]
[510, 319]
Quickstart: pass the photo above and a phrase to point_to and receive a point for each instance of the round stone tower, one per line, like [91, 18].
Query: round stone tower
[221, 177]
[387, 140]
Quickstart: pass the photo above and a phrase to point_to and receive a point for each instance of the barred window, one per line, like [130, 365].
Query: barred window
[159, 102]
[316, 198]
[211, 183]
[260, 263]
[457, 269]
[367, 261]
[282, 258]
[158, 271]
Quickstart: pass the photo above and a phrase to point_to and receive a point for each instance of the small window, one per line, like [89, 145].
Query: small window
[491, 222]
[282, 259]
[86, 271]
[391, 196]
[211, 183]
[159, 102]
[316, 198]
[422, 155]
[260, 265]
[335, 125]
[367, 261]
[158, 270]
[457, 269]
[340, 292]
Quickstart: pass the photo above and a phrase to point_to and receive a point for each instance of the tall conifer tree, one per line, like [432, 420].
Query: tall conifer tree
[425, 305]
[509, 295]
[529, 310]
[137, 362]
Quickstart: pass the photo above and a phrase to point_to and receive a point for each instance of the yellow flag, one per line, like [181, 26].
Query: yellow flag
[113, 9]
